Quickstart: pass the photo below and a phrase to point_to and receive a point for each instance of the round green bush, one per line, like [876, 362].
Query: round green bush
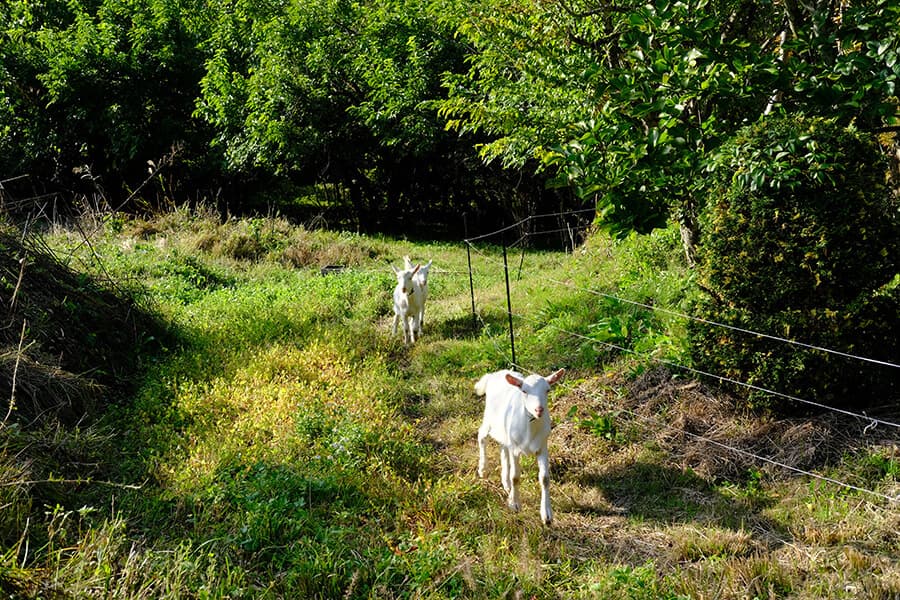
[800, 240]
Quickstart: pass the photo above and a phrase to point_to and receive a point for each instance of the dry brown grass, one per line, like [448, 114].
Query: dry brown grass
[648, 493]
[64, 337]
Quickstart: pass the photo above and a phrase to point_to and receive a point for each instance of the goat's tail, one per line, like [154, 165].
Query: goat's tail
[481, 386]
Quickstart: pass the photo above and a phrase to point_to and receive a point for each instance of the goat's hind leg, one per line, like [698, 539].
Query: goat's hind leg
[482, 447]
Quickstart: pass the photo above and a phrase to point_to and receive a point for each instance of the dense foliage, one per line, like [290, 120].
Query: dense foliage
[344, 107]
[627, 101]
[804, 253]
[92, 91]
[313, 107]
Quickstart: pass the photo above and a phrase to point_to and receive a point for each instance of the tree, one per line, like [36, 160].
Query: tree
[92, 90]
[802, 244]
[628, 101]
[339, 93]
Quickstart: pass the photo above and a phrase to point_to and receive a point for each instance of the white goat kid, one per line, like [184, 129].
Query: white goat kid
[517, 417]
[421, 278]
[406, 303]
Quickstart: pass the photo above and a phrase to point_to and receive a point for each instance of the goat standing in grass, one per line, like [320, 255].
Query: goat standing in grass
[407, 303]
[516, 416]
[421, 278]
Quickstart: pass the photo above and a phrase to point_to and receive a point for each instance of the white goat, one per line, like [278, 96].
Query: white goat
[516, 416]
[421, 278]
[407, 303]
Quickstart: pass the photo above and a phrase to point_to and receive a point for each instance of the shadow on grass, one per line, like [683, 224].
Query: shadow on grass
[647, 491]
[463, 326]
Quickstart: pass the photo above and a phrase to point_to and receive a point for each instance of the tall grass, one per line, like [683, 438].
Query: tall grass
[284, 445]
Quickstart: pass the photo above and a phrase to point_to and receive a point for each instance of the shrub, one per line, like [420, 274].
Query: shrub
[800, 241]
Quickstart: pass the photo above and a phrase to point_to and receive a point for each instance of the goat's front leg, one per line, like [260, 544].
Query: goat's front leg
[410, 327]
[515, 472]
[397, 320]
[504, 467]
[416, 327]
[543, 461]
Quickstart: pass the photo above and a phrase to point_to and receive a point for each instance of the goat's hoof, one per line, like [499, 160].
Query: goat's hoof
[513, 506]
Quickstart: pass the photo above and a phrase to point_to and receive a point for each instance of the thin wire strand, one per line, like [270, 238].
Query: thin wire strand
[776, 338]
[656, 423]
[493, 233]
[675, 313]
[720, 378]
[746, 453]
[565, 213]
[525, 220]
[871, 420]
[560, 230]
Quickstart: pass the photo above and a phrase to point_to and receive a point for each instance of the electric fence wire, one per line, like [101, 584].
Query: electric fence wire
[712, 323]
[720, 378]
[559, 230]
[527, 219]
[656, 424]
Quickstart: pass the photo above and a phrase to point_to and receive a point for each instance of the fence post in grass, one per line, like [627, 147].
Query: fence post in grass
[512, 337]
[471, 284]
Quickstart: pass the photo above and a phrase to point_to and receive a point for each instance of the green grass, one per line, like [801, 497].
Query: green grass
[284, 444]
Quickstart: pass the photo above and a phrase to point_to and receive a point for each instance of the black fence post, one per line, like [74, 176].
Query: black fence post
[471, 283]
[512, 337]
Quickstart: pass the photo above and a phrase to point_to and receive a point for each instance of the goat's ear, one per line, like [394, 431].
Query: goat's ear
[416, 270]
[556, 376]
[513, 380]
[407, 263]
[395, 270]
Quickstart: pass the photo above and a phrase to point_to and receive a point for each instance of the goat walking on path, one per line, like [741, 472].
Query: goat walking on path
[421, 279]
[408, 304]
[517, 417]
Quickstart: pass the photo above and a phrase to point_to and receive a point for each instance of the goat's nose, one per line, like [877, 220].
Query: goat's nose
[539, 411]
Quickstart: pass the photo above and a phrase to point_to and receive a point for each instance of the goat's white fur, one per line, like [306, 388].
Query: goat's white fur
[517, 417]
[407, 303]
[421, 278]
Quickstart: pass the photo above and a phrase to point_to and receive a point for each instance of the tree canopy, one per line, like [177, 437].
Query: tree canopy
[395, 107]
[628, 101]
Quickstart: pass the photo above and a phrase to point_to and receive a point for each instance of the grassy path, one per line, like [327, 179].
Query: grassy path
[285, 445]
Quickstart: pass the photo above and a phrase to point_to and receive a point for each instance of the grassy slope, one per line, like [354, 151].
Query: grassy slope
[288, 446]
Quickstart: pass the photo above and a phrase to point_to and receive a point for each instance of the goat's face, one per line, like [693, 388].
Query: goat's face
[535, 388]
[405, 279]
[423, 272]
